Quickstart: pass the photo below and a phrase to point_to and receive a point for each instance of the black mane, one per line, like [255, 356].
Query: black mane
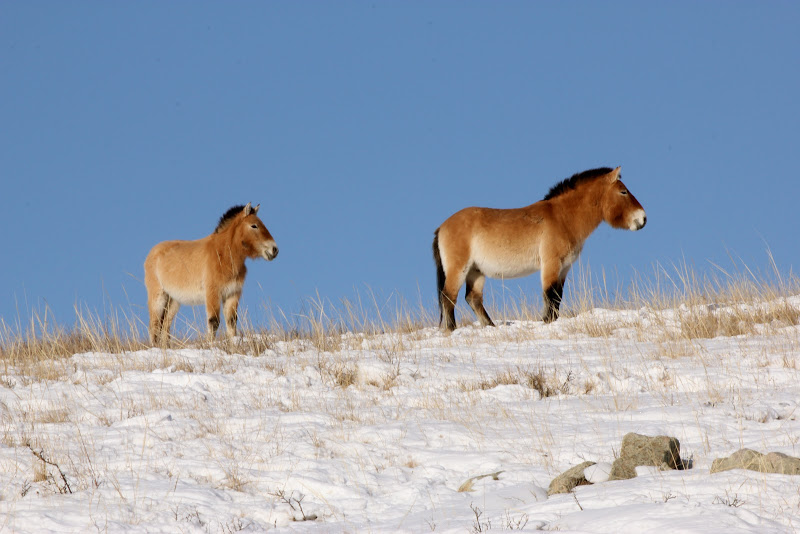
[228, 217]
[575, 180]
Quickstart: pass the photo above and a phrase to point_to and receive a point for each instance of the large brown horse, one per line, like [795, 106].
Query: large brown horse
[205, 271]
[509, 243]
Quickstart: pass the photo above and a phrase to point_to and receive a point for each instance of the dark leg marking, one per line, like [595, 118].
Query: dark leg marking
[552, 301]
[448, 311]
[213, 325]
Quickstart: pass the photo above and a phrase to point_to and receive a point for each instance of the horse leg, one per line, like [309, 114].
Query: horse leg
[231, 314]
[156, 305]
[169, 316]
[452, 285]
[212, 312]
[562, 279]
[474, 296]
[552, 289]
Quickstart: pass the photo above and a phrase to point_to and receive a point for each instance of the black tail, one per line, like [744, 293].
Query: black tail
[437, 257]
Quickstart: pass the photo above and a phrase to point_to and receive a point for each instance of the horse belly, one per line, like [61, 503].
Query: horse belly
[188, 296]
[507, 271]
[501, 264]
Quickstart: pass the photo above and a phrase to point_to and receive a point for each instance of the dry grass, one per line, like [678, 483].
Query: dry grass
[40, 350]
[593, 326]
[722, 303]
[41, 340]
[737, 319]
[343, 375]
[546, 383]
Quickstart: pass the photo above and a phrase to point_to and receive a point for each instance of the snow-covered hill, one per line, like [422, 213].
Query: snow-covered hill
[378, 432]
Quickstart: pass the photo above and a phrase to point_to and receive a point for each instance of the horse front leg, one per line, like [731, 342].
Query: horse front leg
[231, 308]
[212, 312]
[552, 301]
[552, 289]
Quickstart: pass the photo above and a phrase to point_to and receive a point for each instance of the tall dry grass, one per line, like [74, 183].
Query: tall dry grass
[37, 347]
[666, 287]
[704, 304]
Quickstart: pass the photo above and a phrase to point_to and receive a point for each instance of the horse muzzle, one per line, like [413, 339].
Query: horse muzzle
[638, 221]
[270, 253]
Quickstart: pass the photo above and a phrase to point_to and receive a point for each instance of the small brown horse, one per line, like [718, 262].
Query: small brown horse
[205, 271]
[510, 243]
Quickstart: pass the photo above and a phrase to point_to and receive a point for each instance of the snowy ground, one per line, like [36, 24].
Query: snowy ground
[379, 433]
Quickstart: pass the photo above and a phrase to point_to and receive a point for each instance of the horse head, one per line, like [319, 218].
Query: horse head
[255, 238]
[620, 207]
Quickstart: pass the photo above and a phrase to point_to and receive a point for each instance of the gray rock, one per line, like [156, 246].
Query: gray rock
[622, 469]
[663, 452]
[773, 462]
[566, 481]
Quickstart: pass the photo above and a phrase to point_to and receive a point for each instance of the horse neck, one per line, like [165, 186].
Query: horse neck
[227, 249]
[583, 208]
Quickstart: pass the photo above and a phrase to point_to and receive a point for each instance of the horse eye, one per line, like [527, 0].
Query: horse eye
[623, 192]
[254, 226]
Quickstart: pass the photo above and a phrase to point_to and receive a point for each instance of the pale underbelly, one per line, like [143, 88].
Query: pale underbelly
[494, 268]
[196, 295]
[517, 266]
[508, 274]
[187, 297]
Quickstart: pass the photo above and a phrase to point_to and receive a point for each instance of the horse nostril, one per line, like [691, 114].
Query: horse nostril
[274, 252]
[644, 221]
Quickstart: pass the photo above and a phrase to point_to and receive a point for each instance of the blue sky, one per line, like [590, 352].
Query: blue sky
[360, 126]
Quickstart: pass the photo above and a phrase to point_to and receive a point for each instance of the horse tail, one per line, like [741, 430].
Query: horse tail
[437, 258]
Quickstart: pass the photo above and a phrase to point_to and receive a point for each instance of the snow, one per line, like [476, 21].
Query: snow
[379, 434]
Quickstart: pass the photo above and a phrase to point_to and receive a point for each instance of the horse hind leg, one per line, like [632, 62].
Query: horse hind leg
[448, 283]
[157, 307]
[169, 316]
[448, 297]
[447, 303]
[474, 296]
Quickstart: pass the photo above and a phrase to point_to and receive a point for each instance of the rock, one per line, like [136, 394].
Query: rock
[741, 459]
[566, 481]
[622, 469]
[773, 462]
[663, 452]
[782, 464]
[646, 450]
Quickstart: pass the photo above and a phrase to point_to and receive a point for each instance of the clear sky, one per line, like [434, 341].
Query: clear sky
[360, 126]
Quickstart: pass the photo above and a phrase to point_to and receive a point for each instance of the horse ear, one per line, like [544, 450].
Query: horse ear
[614, 175]
[255, 210]
[247, 209]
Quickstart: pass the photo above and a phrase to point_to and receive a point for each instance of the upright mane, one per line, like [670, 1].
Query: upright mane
[226, 219]
[575, 180]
